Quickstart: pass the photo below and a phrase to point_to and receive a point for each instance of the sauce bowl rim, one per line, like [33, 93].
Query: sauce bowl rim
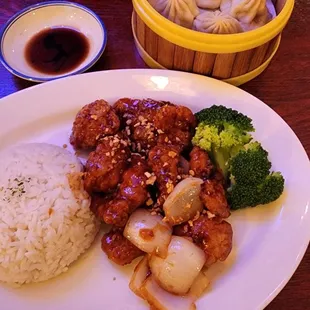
[36, 6]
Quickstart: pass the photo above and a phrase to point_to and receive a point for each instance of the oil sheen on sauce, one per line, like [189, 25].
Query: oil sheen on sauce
[57, 50]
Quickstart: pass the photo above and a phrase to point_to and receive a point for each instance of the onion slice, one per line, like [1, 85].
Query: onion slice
[184, 202]
[161, 300]
[177, 272]
[148, 232]
[199, 286]
[140, 273]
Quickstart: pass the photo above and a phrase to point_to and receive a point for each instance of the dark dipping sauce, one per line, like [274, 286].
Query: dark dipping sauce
[57, 50]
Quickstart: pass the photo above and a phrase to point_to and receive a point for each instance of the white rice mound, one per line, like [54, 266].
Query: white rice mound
[45, 220]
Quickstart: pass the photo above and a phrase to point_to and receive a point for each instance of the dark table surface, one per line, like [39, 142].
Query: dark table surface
[284, 86]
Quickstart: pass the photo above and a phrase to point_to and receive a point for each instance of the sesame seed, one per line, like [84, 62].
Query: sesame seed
[114, 161]
[147, 174]
[108, 153]
[137, 124]
[210, 215]
[169, 187]
[177, 139]
[160, 131]
[196, 216]
[172, 154]
[151, 180]
[165, 164]
[128, 122]
[123, 151]
[95, 117]
[149, 202]
[191, 172]
[166, 139]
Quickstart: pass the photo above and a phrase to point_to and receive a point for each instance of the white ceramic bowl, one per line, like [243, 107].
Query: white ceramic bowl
[28, 22]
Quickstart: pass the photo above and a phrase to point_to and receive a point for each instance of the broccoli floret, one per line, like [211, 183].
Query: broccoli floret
[252, 183]
[221, 131]
[218, 115]
[250, 165]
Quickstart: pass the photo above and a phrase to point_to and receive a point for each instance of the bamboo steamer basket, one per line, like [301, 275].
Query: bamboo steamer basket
[233, 58]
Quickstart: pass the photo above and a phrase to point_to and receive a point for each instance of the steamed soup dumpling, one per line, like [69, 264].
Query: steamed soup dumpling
[181, 12]
[252, 14]
[208, 4]
[225, 6]
[247, 10]
[217, 22]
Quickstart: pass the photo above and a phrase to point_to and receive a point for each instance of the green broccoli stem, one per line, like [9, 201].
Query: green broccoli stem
[221, 157]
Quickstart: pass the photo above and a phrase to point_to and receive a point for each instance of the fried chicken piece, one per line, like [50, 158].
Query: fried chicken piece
[200, 163]
[131, 109]
[164, 161]
[214, 236]
[93, 122]
[131, 195]
[105, 165]
[138, 118]
[118, 248]
[213, 197]
[177, 124]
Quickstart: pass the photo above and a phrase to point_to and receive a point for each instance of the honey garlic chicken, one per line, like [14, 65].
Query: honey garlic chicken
[93, 122]
[164, 161]
[214, 199]
[132, 194]
[105, 166]
[177, 124]
[137, 117]
[148, 122]
[200, 163]
[214, 236]
[118, 248]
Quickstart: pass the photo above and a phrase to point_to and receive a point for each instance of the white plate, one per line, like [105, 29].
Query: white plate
[269, 242]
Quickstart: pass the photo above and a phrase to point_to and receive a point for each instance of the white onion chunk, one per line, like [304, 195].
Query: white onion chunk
[161, 300]
[148, 232]
[184, 202]
[140, 274]
[177, 272]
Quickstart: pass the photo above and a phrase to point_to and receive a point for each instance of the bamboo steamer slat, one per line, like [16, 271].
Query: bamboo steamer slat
[258, 56]
[183, 59]
[140, 29]
[151, 42]
[203, 63]
[165, 53]
[242, 63]
[191, 55]
[223, 65]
